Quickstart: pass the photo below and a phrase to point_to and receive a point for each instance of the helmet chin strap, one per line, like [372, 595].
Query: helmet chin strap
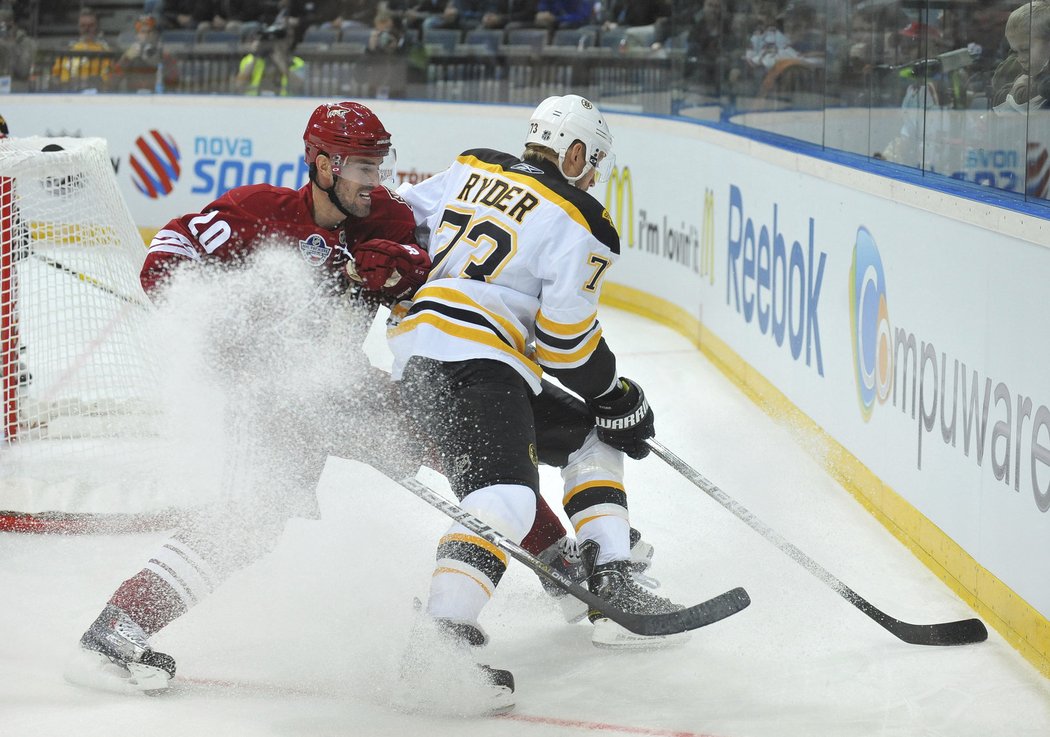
[330, 191]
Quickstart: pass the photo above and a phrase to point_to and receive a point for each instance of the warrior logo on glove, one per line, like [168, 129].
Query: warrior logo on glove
[394, 270]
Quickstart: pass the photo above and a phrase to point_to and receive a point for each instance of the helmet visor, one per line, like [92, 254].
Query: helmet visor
[603, 168]
[364, 169]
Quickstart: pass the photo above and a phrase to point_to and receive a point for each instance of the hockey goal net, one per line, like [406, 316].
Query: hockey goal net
[75, 366]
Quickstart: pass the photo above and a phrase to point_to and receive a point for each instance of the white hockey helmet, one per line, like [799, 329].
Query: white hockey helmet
[559, 121]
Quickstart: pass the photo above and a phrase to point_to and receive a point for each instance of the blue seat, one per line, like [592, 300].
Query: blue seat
[356, 35]
[575, 38]
[490, 38]
[315, 35]
[444, 39]
[533, 38]
[179, 37]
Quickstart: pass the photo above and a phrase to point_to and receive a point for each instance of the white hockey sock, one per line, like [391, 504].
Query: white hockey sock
[460, 589]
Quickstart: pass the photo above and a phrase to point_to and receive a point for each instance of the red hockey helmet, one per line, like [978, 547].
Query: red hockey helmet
[341, 129]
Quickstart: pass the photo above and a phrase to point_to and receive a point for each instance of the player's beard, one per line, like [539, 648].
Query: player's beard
[356, 206]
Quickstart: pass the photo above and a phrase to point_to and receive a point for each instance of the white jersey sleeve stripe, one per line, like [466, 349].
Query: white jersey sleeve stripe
[556, 358]
[564, 330]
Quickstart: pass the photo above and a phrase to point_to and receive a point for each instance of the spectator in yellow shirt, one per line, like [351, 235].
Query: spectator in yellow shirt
[91, 69]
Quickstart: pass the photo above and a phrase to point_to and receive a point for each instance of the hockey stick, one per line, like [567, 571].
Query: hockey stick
[700, 615]
[962, 632]
[88, 280]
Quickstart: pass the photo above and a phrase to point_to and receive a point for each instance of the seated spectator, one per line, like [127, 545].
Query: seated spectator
[270, 68]
[19, 46]
[461, 14]
[89, 70]
[340, 14]
[1023, 79]
[145, 66]
[645, 21]
[387, 33]
[185, 14]
[413, 14]
[555, 14]
[767, 45]
[508, 14]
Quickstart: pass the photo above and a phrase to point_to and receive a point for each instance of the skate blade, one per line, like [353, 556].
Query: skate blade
[500, 701]
[608, 635]
[573, 609]
[93, 670]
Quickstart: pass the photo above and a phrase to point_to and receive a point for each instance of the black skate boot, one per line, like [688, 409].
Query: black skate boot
[613, 582]
[115, 655]
[439, 673]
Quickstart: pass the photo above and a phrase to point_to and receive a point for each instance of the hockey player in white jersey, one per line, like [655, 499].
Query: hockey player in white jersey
[520, 251]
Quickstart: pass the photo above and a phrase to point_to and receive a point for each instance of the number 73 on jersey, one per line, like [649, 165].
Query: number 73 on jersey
[493, 245]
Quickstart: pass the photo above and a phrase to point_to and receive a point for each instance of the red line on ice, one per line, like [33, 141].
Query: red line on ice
[601, 726]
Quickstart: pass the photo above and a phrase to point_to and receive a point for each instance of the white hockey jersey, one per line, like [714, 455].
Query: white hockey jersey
[519, 259]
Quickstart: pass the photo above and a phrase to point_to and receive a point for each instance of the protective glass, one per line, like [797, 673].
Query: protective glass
[366, 170]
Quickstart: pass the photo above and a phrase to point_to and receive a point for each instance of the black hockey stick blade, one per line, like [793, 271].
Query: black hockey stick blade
[694, 617]
[962, 632]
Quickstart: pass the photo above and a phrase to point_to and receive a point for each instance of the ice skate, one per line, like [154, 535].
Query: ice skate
[564, 557]
[440, 676]
[115, 656]
[613, 581]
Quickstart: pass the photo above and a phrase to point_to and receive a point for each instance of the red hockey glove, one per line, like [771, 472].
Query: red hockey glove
[395, 269]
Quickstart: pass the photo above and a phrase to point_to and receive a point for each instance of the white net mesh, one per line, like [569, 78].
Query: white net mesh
[75, 368]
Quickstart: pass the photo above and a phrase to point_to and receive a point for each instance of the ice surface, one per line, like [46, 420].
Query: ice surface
[306, 642]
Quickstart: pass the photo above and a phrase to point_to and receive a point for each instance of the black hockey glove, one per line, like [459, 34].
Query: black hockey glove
[624, 418]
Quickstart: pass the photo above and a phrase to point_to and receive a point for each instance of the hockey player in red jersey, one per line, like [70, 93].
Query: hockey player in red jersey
[349, 153]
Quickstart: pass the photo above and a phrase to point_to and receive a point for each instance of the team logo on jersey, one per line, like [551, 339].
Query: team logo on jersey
[527, 168]
[155, 164]
[315, 250]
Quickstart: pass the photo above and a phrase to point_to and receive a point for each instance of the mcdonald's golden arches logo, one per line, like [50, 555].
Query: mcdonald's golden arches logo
[619, 191]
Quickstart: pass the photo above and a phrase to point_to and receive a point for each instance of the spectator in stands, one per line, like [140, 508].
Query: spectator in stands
[414, 12]
[509, 14]
[20, 48]
[555, 14]
[645, 21]
[767, 45]
[710, 45]
[461, 14]
[185, 14]
[270, 68]
[1022, 81]
[340, 14]
[387, 33]
[88, 71]
[145, 66]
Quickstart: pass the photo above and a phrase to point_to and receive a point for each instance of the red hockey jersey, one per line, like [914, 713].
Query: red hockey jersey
[248, 217]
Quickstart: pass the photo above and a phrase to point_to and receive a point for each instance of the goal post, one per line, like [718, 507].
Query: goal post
[76, 368]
